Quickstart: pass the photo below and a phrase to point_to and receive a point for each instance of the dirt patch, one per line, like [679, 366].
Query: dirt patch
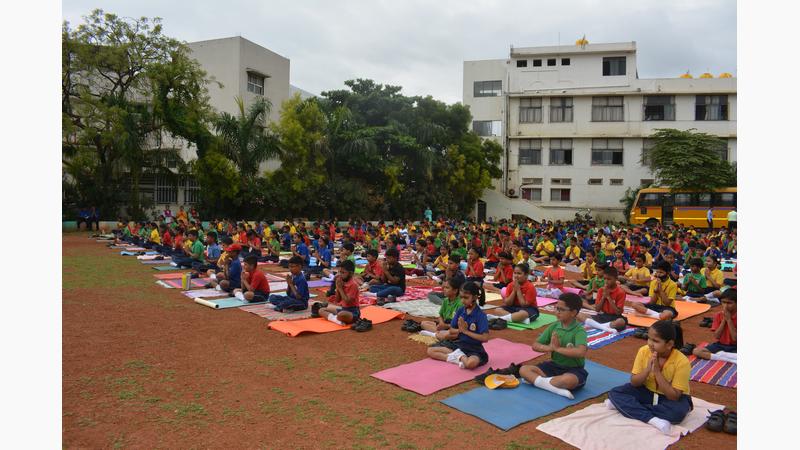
[144, 367]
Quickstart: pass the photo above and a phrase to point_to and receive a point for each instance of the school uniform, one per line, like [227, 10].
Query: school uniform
[647, 401]
[725, 342]
[572, 335]
[259, 286]
[508, 273]
[351, 289]
[288, 301]
[670, 290]
[234, 275]
[529, 306]
[477, 322]
[607, 313]
[398, 289]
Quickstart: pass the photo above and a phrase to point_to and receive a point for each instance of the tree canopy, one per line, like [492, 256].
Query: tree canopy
[687, 160]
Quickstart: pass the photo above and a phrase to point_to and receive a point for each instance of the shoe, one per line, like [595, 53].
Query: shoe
[362, 325]
[315, 309]
[498, 324]
[716, 421]
[381, 301]
[513, 369]
[730, 423]
[414, 327]
[159, 258]
[208, 286]
[480, 379]
[405, 325]
[706, 322]
[688, 349]
[640, 333]
[391, 299]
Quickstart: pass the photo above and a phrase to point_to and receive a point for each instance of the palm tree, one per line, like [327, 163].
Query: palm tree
[243, 139]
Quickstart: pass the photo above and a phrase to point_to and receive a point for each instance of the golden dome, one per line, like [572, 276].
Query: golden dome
[582, 41]
[706, 75]
[725, 75]
[687, 75]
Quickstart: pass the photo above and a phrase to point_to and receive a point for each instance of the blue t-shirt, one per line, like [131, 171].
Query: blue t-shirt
[287, 240]
[325, 255]
[235, 273]
[477, 322]
[214, 251]
[302, 288]
[302, 250]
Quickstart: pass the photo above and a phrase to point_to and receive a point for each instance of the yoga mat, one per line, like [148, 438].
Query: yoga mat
[685, 311]
[274, 277]
[421, 308]
[318, 283]
[167, 268]
[429, 375]
[598, 428]
[599, 338]
[318, 325]
[149, 256]
[205, 293]
[127, 253]
[156, 261]
[507, 408]
[542, 320]
[278, 286]
[196, 282]
[168, 276]
[267, 312]
[493, 296]
[412, 293]
[224, 303]
[719, 373]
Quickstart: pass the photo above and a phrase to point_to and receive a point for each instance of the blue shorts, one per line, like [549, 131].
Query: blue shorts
[606, 318]
[533, 312]
[259, 297]
[552, 369]
[717, 347]
[354, 310]
[662, 308]
[474, 350]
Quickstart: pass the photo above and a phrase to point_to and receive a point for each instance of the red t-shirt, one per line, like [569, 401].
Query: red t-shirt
[351, 289]
[617, 296]
[475, 269]
[431, 249]
[491, 253]
[258, 281]
[724, 338]
[529, 292]
[508, 271]
[256, 243]
[376, 268]
[178, 242]
[554, 273]
[166, 239]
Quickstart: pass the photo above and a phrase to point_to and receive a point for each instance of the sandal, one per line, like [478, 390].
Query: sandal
[715, 421]
[706, 322]
[688, 349]
[640, 333]
[498, 324]
[362, 325]
[730, 423]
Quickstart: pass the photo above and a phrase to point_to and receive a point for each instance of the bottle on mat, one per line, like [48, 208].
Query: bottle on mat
[186, 279]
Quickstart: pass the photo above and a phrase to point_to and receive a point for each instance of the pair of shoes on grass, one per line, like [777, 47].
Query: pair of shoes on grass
[513, 369]
[719, 421]
[411, 326]
[706, 322]
[361, 325]
[316, 307]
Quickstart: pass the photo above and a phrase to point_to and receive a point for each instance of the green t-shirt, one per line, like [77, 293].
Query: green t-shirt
[144, 233]
[449, 308]
[197, 250]
[460, 251]
[437, 242]
[276, 245]
[695, 288]
[597, 282]
[126, 232]
[573, 335]
[601, 257]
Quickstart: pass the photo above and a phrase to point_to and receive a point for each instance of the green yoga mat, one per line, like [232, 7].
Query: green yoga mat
[359, 269]
[168, 268]
[409, 266]
[542, 320]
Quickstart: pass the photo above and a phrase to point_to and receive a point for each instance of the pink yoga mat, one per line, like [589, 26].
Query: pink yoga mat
[429, 375]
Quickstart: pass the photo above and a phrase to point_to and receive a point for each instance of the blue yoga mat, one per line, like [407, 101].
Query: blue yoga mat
[224, 303]
[507, 408]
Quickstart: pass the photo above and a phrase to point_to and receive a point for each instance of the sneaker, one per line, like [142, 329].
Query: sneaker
[391, 299]
[498, 324]
[380, 301]
[414, 327]
[315, 309]
[362, 325]
[455, 356]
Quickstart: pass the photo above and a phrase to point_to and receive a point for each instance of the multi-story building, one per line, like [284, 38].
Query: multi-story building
[574, 123]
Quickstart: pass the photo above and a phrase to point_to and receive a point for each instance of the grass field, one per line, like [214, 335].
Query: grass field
[145, 367]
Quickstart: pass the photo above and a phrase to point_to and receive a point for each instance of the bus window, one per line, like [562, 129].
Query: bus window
[649, 200]
[725, 199]
[683, 200]
[705, 199]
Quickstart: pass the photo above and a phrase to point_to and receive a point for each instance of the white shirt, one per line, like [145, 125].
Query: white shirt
[709, 215]
[732, 216]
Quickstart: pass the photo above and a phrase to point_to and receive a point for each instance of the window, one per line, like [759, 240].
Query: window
[166, 191]
[561, 109]
[704, 199]
[725, 199]
[722, 151]
[530, 152]
[255, 83]
[647, 147]
[607, 109]
[560, 152]
[561, 181]
[551, 62]
[530, 110]
[683, 200]
[559, 195]
[191, 193]
[522, 63]
[564, 61]
[532, 181]
[607, 152]
[650, 200]
[487, 88]
[616, 181]
[532, 194]
[486, 127]
[646, 182]
[659, 107]
[614, 66]
[595, 181]
[711, 107]
[537, 63]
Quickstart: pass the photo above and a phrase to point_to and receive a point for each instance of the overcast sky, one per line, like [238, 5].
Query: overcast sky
[421, 45]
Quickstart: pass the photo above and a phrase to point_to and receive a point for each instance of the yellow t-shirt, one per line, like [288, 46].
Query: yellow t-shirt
[545, 248]
[609, 248]
[676, 370]
[519, 257]
[572, 252]
[715, 275]
[442, 261]
[648, 259]
[590, 273]
[670, 288]
[155, 237]
[292, 229]
[636, 275]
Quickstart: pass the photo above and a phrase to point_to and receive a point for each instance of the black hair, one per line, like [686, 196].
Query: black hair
[296, 260]
[556, 256]
[663, 265]
[505, 255]
[611, 271]
[713, 258]
[455, 258]
[348, 265]
[620, 249]
[252, 260]
[227, 240]
[456, 282]
[524, 268]
[472, 287]
[193, 233]
[213, 235]
[669, 331]
[349, 247]
[372, 252]
[572, 300]
[696, 262]
[729, 294]
[392, 252]
[591, 252]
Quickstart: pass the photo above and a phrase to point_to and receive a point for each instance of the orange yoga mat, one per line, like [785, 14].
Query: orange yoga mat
[685, 311]
[169, 276]
[319, 325]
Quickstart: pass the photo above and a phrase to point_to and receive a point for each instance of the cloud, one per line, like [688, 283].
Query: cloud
[421, 45]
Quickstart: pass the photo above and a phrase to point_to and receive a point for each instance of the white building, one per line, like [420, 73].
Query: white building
[574, 120]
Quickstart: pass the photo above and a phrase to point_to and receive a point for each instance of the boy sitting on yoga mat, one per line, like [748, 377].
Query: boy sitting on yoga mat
[519, 304]
[662, 295]
[194, 252]
[658, 393]
[469, 329]
[212, 254]
[566, 340]
[372, 271]
[694, 282]
[345, 309]
[393, 279]
[255, 287]
[609, 305]
[504, 274]
[588, 272]
[232, 278]
[724, 327]
[296, 297]
[637, 279]
[554, 275]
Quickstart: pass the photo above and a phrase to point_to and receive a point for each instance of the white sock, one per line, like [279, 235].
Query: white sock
[219, 288]
[213, 276]
[455, 356]
[610, 405]
[709, 296]
[492, 316]
[239, 295]
[653, 314]
[662, 425]
[600, 326]
[544, 383]
[526, 321]
[427, 333]
[173, 264]
[507, 317]
[436, 279]
[329, 279]
[332, 317]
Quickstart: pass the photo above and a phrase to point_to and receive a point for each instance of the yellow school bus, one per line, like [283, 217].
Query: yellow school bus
[686, 208]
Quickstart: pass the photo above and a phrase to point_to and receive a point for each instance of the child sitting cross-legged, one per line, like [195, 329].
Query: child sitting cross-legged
[451, 302]
[609, 305]
[637, 279]
[345, 309]
[519, 303]
[255, 287]
[694, 282]
[296, 297]
[566, 340]
[724, 327]
[662, 295]
[658, 393]
[469, 329]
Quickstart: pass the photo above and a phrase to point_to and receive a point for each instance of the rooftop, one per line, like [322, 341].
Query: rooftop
[616, 47]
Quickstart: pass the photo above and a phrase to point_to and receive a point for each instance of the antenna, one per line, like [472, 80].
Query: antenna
[559, 38]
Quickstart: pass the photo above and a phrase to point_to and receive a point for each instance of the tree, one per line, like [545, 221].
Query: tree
[219, 181]
[243, 138]
[686, 160]
[126, 89]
